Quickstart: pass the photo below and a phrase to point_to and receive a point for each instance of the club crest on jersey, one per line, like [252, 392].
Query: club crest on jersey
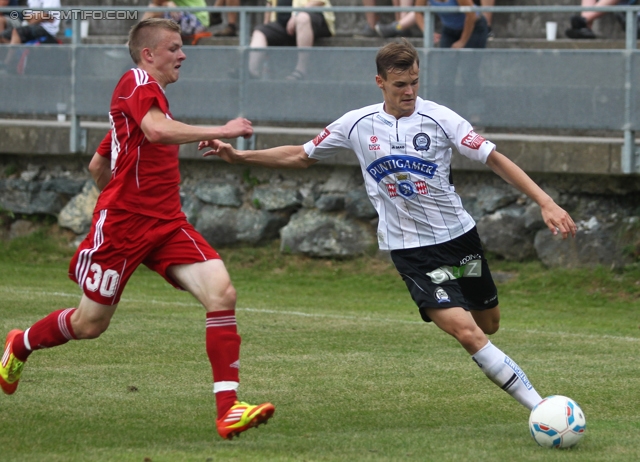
[388, 165]
[406, 188]
[421, 142]
[473, 140]
[442, 296]
[318, 139]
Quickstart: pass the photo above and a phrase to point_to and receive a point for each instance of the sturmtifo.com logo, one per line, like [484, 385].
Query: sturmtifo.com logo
[82, 15]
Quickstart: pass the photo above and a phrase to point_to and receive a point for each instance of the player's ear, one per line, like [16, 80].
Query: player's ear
[146, 54]
[379, 82]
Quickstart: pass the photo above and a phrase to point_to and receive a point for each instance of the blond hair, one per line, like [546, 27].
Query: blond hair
[143, 35]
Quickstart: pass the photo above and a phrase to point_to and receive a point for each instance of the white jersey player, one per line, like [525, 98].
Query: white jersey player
[404, 146]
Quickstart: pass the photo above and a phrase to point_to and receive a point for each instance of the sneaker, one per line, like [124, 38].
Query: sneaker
[243, 416]
[228, 31]
[392, 30]
[387, 30]
[578, 22]
[10, 367]
[366, 32]
[583, 33]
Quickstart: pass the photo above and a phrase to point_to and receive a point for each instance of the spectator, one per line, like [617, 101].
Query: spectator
[231, 29]
[581, 24]
[459, 30]
[299, 28]
[42, 26]
[190, 23]
[6, 21]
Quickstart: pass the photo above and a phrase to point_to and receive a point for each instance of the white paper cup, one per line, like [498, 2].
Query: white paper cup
[62, 111]
[84, 29]
[552, 30]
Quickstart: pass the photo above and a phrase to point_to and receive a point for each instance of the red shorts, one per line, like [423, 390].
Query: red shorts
[119, 241]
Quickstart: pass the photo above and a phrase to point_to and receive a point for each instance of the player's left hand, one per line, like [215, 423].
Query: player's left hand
[558, 220]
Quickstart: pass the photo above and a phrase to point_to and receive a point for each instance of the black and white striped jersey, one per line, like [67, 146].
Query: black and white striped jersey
[406, 164]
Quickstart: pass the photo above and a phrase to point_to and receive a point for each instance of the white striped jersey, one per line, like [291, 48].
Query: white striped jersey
[406, 164]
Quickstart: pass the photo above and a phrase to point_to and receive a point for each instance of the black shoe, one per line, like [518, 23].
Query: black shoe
[578, 22]
[228, 31]
[583, 33]
[366, 32]
[392, 30]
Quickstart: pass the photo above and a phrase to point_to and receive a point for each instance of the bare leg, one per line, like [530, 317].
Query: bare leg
[304, 39]
[488, 320]
[256, 58]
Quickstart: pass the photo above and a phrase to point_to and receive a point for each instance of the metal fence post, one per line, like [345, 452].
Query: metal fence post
[629, 162]
[77, 137]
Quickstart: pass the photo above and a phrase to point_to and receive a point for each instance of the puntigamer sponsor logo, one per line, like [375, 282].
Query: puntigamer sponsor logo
[394, 164]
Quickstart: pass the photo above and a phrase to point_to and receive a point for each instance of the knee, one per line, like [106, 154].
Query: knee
[303, 20]
[471, 338]
[224, 300]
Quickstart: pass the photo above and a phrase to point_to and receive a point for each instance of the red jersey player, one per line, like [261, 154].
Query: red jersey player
[138, 219]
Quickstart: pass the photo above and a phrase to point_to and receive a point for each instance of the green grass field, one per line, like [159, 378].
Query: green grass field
[340, 350]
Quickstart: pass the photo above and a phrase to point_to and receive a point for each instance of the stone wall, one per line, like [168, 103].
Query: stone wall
[324, 212]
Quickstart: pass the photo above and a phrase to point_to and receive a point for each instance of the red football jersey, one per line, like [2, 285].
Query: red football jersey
[145, 177]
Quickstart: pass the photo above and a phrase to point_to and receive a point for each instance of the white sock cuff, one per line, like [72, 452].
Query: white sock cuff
[484, 349]
[27, 345]
[225, 386]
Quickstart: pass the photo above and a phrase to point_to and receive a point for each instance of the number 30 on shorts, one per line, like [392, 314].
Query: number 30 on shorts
[106, 281]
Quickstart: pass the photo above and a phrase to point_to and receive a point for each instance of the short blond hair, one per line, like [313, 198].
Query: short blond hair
[143, 35]
[396, 56]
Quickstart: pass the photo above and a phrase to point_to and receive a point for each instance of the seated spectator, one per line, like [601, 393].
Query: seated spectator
[42, 26]
[7, 22]
[231, 29]
[581, 24]
[299, 29]
[459, 30]
[190, 23]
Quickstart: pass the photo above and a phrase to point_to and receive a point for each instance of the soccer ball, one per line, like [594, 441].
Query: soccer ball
[557, 422]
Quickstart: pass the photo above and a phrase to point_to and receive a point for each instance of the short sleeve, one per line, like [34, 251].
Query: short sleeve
[105, 146]
[143, 99]
[468, 143]
[329, 142]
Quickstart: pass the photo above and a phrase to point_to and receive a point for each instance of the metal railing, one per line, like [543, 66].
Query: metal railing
[517, 88]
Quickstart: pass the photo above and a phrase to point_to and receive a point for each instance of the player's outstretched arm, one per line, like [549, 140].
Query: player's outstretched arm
[100, 169]
[278, 157]
[159, 129]
[554, 216]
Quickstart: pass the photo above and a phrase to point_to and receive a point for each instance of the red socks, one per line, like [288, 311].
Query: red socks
[50, 331]
[223, 349]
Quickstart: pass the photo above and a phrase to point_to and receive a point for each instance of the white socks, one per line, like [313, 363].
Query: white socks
[505, 373]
